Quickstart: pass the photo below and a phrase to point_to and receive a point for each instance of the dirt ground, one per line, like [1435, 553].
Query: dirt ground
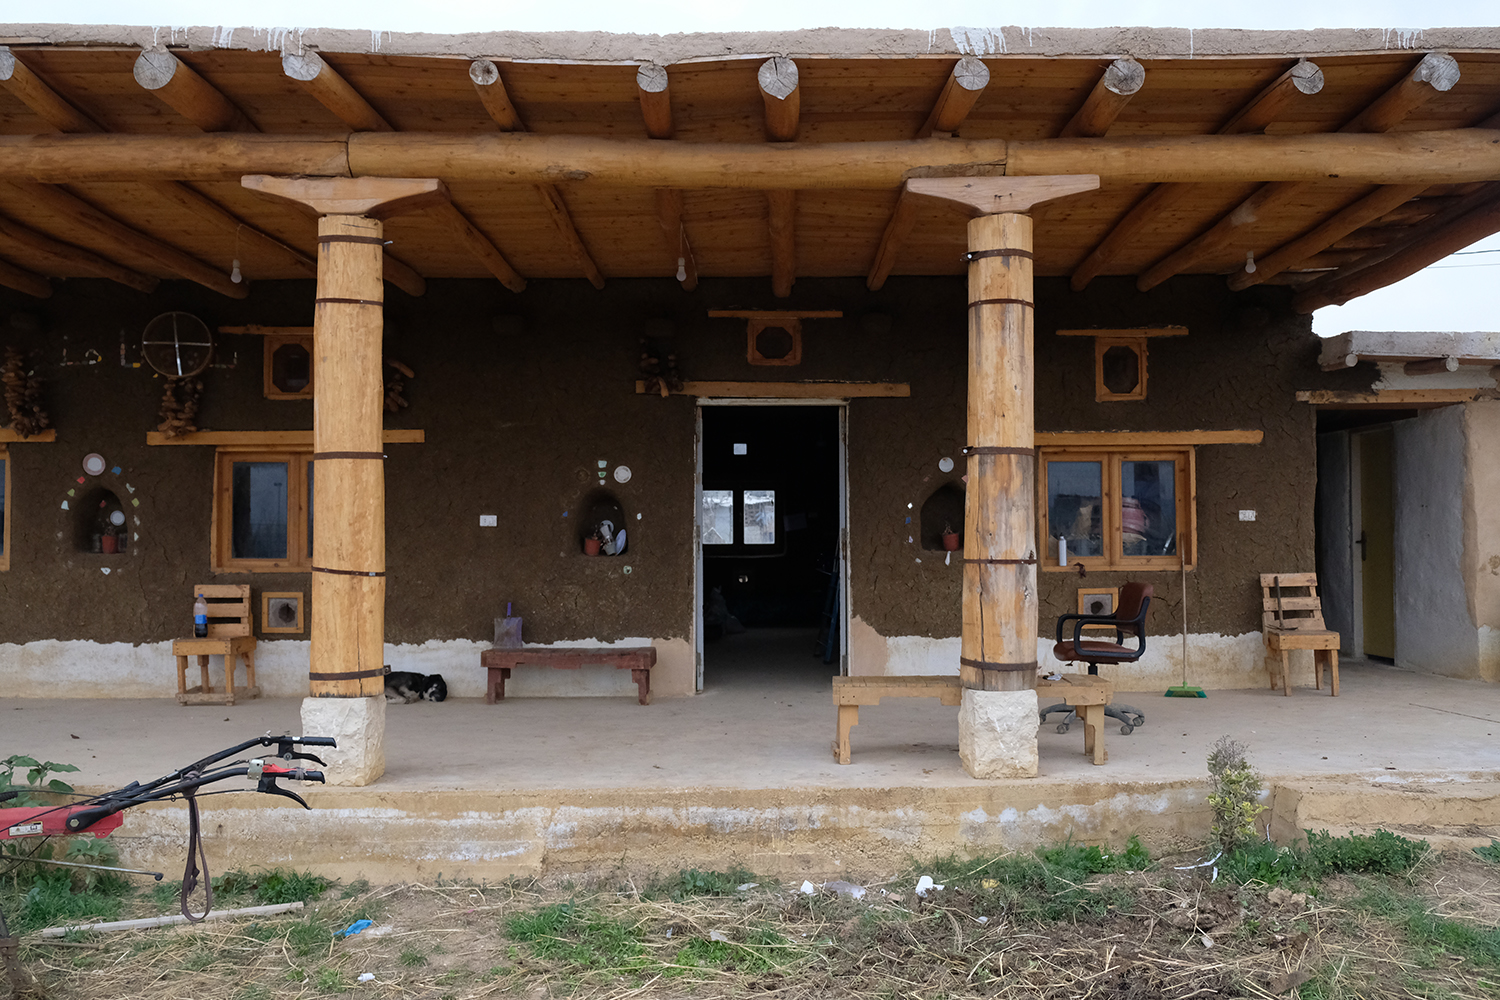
[1163, 932]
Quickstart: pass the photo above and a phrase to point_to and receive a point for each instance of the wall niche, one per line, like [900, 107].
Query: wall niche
[598, 506]
[100, 524]
[943, 508]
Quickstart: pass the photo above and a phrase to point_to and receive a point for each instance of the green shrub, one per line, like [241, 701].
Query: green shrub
[1235, 794]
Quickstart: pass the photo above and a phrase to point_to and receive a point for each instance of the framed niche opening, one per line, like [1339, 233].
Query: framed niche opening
[1120, 360]
[288, 367]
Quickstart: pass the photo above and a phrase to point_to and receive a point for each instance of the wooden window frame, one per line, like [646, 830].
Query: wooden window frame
[7, 509]
[1102, 393]
[268, 353]
[1114, 558]
[297, 560]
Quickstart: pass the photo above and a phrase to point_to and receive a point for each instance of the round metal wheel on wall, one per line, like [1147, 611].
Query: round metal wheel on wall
[177, 344]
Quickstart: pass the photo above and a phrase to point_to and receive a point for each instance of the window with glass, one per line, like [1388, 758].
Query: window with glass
[4, 510]
[717, 517]
[1116, 509]
[263, 511]
[756, 517]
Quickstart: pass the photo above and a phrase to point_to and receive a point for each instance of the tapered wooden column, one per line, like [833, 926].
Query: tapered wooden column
[999, 593]
[348, 578]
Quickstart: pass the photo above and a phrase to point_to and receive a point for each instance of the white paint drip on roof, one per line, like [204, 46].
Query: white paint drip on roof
[1190, 43]
[1405, 38]
[223, 37]
[978, 41]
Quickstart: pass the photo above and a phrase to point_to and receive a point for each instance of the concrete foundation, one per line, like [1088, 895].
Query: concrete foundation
[359, 726]
[997, 734]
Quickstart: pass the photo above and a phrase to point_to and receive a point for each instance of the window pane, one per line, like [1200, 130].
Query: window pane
[309, 508]
[258, 525]
[1148, 508]
[1075, 492]
[760, 517]
[718, 517]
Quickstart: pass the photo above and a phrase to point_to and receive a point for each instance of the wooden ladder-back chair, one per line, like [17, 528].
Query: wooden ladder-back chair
[1293, 619]
[231, 634]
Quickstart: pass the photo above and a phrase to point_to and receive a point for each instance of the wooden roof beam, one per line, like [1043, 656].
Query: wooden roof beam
[485, 76]
[1302, 78]
[782, 225]
[1120, 81]
[181, 88]
[782, 95]
[22, 280]
[959, 95]
[332, 91]
[34, 242]
[131, 243]
[480, 246]
[1474, 218]
[654, 90]
[1436, 72]
[898, 227]
[37, 95]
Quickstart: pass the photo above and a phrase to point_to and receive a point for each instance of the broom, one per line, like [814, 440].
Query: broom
[1184, 690]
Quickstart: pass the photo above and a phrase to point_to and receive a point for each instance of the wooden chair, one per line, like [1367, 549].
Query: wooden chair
[231, 634]
[1293, 619]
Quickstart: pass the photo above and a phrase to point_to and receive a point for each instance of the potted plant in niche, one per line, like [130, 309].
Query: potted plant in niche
[951, 538]
[592, 544]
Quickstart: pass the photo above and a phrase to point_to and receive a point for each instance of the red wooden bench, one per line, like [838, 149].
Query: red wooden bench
[500, 662]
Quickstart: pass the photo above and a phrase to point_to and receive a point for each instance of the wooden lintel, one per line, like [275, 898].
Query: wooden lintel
[1145, 331]
[9, 436]
[45, 102]
[994, 195]
[1120, 81]
[790, 390]
[960, 93]
[269, 439]
[1390, 399]
[655, 93]
[1143, 439]
[332, 91]
[375, 197]
[782, 96]
[181, 88]
[269, 331]
[775, 314]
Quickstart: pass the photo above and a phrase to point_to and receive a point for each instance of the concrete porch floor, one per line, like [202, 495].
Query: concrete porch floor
[745, 771]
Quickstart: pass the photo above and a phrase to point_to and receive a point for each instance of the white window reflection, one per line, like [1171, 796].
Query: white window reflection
[717, 517]
[760, 517]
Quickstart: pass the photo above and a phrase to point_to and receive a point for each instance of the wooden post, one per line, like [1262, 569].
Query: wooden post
[999, 592]
[348, 578]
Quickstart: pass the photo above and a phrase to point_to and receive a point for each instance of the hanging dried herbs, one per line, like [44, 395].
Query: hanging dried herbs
[23, 396]
[180, 400]
[394, 401]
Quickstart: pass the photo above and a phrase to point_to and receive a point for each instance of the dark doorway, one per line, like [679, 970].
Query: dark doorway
[770, 525]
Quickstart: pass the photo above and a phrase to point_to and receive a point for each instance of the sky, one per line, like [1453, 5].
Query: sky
[1456, 293]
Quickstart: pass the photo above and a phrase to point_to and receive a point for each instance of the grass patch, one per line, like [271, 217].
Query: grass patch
[692, 882]
[762, 950]
[1428, 932]
[412, 958]
[1045, 886]
[568, 933]
[52, 900]
[1490, 853]
[1380, 853]
[306, 937]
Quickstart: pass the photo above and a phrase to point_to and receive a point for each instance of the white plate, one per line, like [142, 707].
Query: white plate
[94, 464]
[622, 473]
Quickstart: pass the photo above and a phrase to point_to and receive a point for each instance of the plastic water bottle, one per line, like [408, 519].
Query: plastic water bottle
[200, 618]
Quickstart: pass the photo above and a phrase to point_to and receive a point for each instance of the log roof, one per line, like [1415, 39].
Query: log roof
[1336, 236]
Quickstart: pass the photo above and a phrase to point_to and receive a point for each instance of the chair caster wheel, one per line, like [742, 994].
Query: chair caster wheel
[1062, 727]
[1126, 730]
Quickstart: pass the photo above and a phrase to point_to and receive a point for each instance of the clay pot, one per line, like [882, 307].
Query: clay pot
[952, 541]
[109, 544]
[591, 546]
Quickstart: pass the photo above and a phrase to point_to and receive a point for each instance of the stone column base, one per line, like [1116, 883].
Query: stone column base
[997, 734]
[359, 726]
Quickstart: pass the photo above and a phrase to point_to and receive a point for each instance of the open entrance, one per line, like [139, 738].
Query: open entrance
[770, 522]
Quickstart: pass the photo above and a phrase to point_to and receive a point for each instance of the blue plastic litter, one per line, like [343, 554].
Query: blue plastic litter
[354, 928]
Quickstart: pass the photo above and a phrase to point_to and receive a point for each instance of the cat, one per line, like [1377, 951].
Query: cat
[408, 686]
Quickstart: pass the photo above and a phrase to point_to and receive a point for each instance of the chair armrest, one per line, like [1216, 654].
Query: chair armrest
[1084, 620]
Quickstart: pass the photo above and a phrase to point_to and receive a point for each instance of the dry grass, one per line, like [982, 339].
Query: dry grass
[1173, 935]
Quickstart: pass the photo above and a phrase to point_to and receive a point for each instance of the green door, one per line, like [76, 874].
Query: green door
[1376, 542]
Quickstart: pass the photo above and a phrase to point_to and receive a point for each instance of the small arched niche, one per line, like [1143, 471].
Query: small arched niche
[598, 506]
[943, 508]
[100, 524]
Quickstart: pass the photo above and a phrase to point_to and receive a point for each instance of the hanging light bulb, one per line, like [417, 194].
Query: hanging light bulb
[1249, 261]
[234, 272]
[681, 268]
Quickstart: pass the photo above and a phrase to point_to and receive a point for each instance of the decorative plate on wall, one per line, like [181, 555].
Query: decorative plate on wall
[94, 463]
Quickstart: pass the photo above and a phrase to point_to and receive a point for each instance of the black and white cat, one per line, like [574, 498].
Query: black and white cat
[408, 686]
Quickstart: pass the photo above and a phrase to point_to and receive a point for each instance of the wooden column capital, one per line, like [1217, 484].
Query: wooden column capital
[993, 195]
[373, 197]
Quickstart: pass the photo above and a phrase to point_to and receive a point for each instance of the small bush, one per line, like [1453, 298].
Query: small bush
[1235, 794]
[1380, 853]
[1490, 853]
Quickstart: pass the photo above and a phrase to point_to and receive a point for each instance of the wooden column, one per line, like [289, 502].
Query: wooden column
[999, 591]
[348, 578]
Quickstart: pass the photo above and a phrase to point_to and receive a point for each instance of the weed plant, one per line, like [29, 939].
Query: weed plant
[1324, 855]
[691, 882]
[1045, 886]
[1235, 794]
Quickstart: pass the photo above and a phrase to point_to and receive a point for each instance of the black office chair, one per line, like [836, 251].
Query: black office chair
[1129, 617]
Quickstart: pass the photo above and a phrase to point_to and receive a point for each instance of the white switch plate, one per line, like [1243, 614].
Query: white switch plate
[488, 520]
[1247, 515]
[742, 449]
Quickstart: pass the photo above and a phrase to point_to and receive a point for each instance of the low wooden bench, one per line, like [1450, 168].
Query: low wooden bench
[500, 662]
[851, 692]
[1087, 695]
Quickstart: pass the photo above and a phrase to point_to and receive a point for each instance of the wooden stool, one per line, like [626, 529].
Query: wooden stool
[1087, 695]
[230, 635]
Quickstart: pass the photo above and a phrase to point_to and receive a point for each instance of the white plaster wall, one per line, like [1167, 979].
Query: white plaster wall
[1433, 629]
[1335, 535]
[82, 669]
[1482, 530]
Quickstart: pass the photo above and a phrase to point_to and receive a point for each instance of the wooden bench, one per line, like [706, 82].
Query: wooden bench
[851, 692]
[1087, 695]
[230, 635]
[1293, 619]
[500, 662]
